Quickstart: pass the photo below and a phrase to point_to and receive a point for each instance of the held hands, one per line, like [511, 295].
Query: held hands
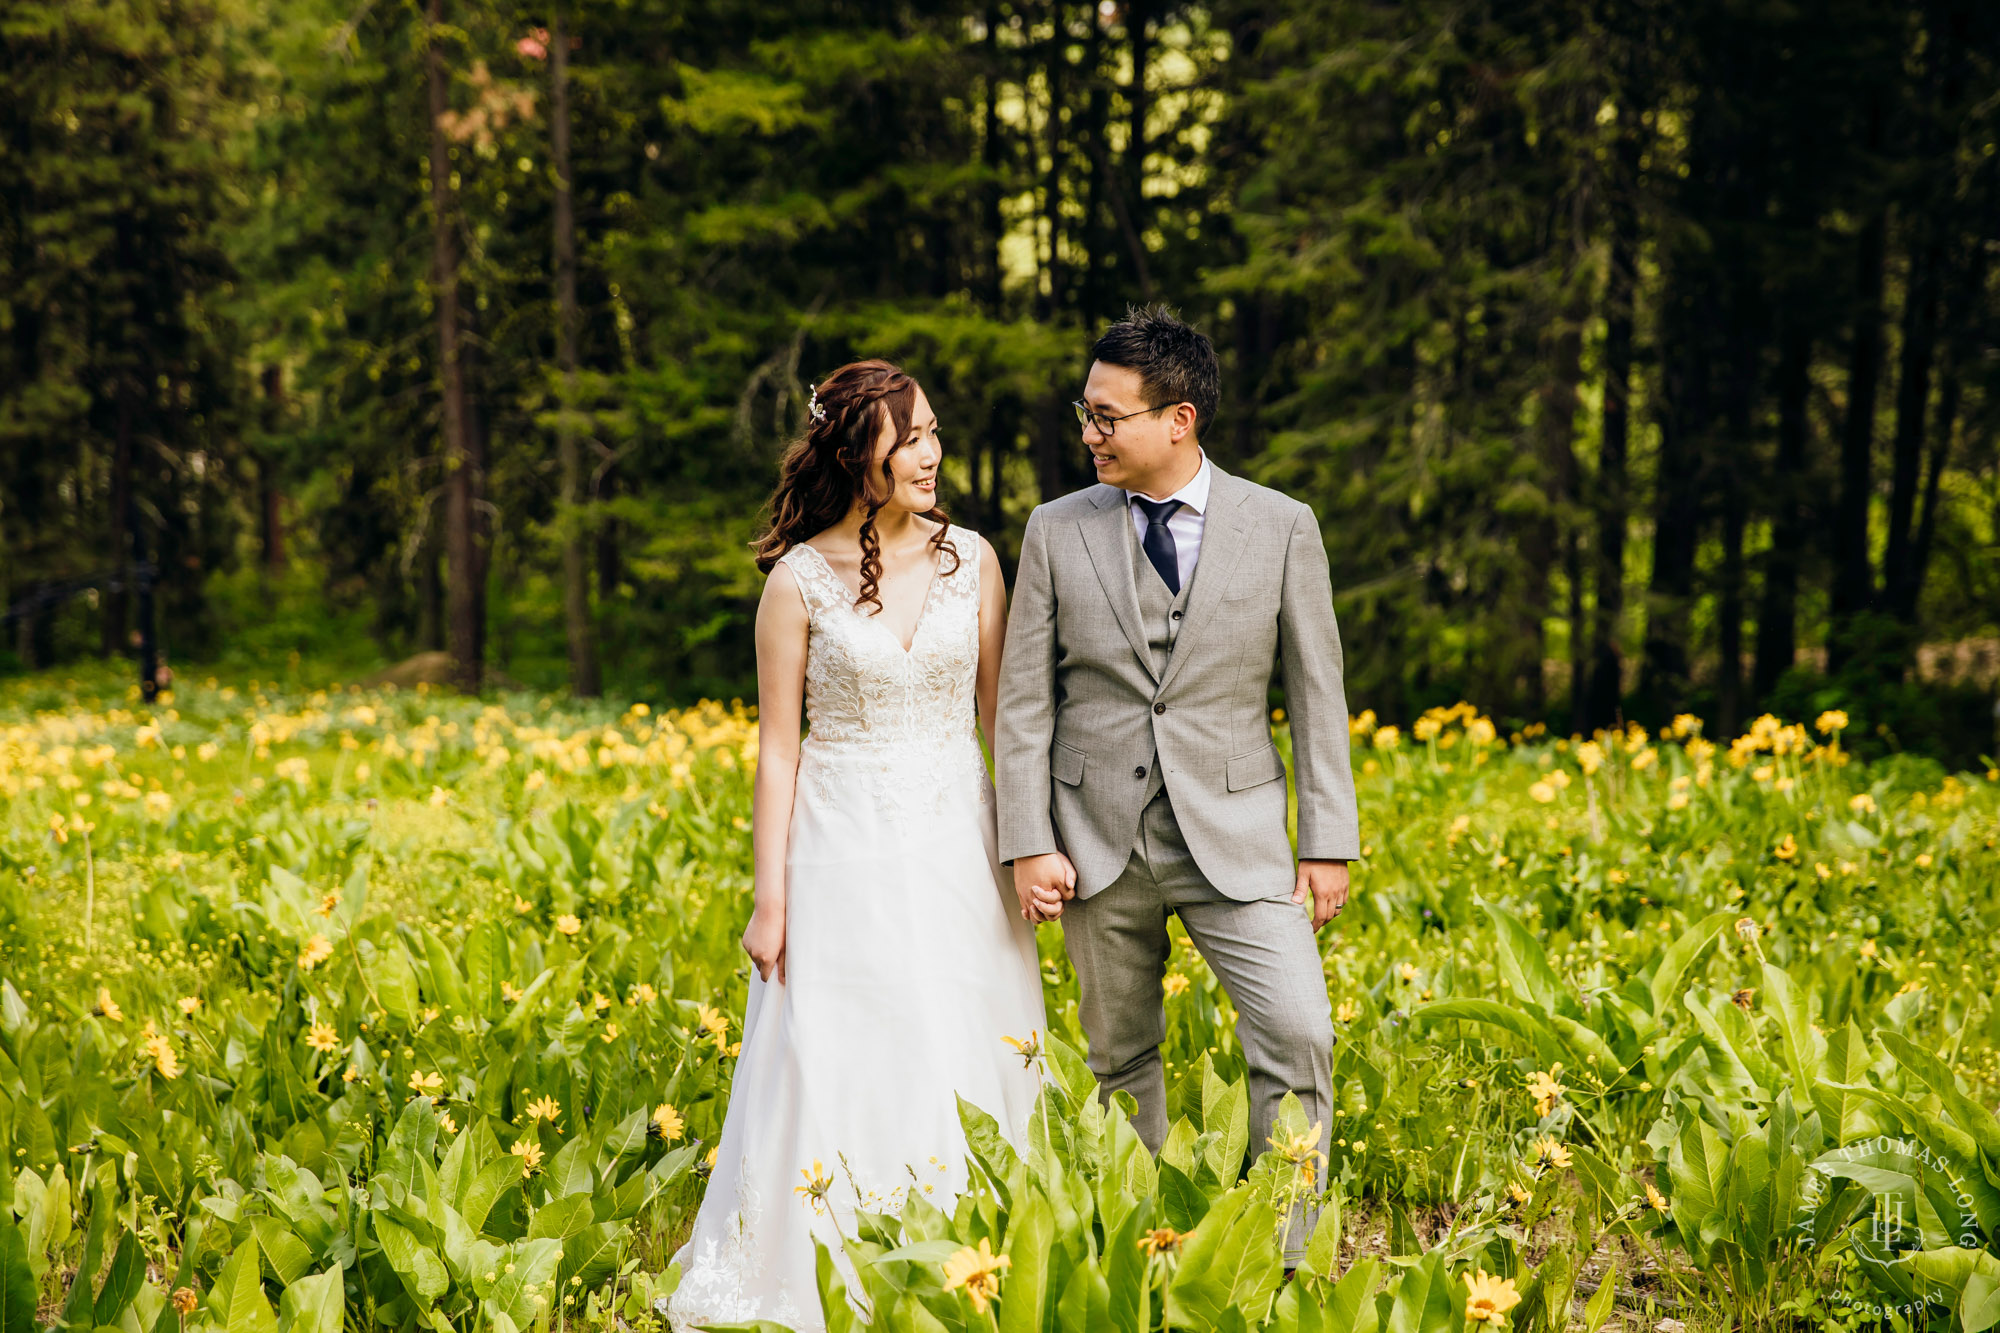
[1043, 884]
[1325, 883]
[764, 941]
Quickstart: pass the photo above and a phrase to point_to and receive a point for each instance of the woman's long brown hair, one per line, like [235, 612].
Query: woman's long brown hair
[823, 474]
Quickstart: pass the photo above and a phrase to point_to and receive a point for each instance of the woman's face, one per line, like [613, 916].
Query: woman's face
[913, 460]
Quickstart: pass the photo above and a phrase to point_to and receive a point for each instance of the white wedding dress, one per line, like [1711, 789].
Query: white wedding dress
[906, 961]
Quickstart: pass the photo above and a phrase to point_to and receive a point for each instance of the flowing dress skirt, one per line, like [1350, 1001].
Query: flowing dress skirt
[907, 963]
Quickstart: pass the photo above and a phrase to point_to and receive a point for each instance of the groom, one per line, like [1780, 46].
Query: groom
[1137, 776]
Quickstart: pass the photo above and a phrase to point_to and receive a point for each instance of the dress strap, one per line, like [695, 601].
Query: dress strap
[818, 584]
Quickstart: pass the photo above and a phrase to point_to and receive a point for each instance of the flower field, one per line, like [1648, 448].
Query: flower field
[340, 1010]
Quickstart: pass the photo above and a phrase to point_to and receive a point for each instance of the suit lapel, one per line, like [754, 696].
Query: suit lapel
[1224, 535]
[1107, 538]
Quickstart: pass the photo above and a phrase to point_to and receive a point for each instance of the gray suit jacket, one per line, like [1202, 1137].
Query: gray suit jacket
[1082, 711]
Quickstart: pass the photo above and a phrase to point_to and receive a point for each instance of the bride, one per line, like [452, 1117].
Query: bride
[889, 964]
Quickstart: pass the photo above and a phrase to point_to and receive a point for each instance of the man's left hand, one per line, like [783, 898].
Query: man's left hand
[1324, 884]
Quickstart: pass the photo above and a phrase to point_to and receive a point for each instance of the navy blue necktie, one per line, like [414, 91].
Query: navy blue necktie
[1159, 540]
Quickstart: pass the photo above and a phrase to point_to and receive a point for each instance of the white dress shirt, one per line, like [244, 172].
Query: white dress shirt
[1187, 521]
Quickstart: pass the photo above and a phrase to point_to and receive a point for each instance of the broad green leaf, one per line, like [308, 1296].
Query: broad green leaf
[1805, 1049]
[122, 1282]
[19, 1292]
[1030, 1230]
[238, 1297]
[423, 1272]
[447, 985]
[1523, 961]
[288, 1255]
[395, 982]
[494, 1179]
[1599, 1309]
[1971, 1117]
[1183, 1200]
[313, 1304]
[1677, 958]
[1531, 1026]
[561, 1218]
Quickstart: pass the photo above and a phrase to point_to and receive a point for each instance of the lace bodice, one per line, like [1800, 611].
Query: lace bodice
[861, 686]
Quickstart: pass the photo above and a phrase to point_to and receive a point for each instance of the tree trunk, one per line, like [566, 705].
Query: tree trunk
[1913, 392]
[1853, 573]
[271, 500]
[114, 603]
[1058, 60]
[989, 153]
[1729, 611]
[583, 679]
[462, 630]
[1600, 705]
[1777, 617]
[1959, 348]
[1138, 28]
[1684, 428]
[1556, 438]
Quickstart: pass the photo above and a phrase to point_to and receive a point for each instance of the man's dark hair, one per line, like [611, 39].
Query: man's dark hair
[1176, 363]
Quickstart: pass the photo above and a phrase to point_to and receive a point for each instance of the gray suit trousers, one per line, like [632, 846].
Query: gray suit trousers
[1261, 951]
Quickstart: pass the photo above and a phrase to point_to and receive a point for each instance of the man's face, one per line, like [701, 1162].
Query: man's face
[1142, 452]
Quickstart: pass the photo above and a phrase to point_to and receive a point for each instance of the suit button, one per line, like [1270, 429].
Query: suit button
[1139, 773]
[1159, 708]
[1177, 615]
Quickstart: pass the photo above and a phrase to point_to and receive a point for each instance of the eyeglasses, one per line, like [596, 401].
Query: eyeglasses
[1105, 425]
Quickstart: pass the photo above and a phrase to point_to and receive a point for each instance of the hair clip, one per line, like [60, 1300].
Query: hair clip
[813, 405]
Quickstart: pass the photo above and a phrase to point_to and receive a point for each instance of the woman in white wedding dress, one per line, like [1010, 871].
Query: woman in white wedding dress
[890, 960]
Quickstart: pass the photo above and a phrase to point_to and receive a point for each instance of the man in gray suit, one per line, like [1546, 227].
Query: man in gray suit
[1137, 775]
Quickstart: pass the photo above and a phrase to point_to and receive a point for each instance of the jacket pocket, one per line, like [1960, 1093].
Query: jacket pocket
[1066, 763]
[1256, 768]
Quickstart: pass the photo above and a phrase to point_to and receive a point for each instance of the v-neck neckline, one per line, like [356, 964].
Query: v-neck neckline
[923, 611]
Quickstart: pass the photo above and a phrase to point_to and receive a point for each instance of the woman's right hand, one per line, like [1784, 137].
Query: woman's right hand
[764, 941]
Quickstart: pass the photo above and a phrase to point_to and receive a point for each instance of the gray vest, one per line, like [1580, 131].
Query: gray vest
[1163, 614]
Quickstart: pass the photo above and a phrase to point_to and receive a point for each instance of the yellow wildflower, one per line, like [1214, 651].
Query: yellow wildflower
[977, 1273]
[322, 1038]
[1489, 1298]
[1347, 1012]
[1551, 1151]
[568, 924]
[328, 901]
[669, 1122]
[160, 1051]
[1542, 792]
[1161, 1240]
[107, 1006]
[427, 1085]
[184, 1300]
[189, 1005]
[316, 951]
[1175, 983]
[610, 1033]
[1545, 1088]
[1861, 803]
[530, 1154]
[818, 1182]
[544, 1107]
[1654, 1199]
[1028, 1048]
[1786, 849]
[1832, 720]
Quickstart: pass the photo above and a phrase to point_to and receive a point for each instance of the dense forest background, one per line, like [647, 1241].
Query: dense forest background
[1638, 356]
